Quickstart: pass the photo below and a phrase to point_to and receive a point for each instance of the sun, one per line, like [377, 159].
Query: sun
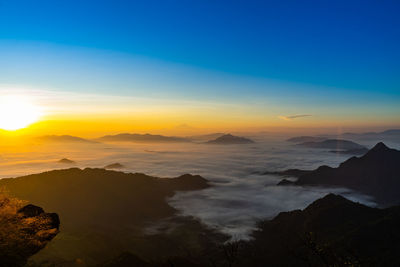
[17, 112]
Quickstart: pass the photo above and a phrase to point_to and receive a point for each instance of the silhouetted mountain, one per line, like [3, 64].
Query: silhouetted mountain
[285, 182]
[24, 231]
[65, 139]
[303, 139]
[103, 211]
[229, 139]
[333, 144]
[66, 161]
[392, 134]
[357, 151]
[290, 172]
[205, 137]
[332, 231]
[142, 138]
[114, 166]
[377, 173]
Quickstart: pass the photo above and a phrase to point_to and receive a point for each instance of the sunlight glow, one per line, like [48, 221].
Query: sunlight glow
[17, 112]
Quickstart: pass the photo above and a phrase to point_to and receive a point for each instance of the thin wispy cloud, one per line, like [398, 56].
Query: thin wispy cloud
[292, 117]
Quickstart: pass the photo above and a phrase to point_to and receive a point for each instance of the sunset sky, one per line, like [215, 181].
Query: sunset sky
[95, 67]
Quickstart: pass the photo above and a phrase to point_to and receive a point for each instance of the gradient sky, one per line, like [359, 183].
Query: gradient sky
[209, 64]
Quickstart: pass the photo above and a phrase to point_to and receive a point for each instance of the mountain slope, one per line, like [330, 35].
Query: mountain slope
[102, 211]
[377, 173]
[332, 231]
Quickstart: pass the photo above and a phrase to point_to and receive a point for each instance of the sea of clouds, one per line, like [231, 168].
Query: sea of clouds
[240, 194]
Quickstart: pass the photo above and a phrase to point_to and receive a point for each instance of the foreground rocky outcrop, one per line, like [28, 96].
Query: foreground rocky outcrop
[24, 231]
[377, 173]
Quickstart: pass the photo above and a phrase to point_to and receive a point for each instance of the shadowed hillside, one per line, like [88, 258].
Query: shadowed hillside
[332, 231]
[103, 211]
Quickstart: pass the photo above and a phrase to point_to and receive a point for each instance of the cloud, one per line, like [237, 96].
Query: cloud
[239, 196]
[292, 117]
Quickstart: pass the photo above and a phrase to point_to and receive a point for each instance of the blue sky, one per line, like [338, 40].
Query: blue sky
[315, 54]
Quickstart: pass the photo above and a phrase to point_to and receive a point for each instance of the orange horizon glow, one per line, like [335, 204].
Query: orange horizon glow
[87, 115]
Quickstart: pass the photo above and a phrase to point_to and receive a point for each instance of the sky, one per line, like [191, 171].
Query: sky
[101, 66]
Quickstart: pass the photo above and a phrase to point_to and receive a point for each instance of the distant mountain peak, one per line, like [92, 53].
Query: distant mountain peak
[380, 147]
[66, 161]
[328, 201]
[230, 139]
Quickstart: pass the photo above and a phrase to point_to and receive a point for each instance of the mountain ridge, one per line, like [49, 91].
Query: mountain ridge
[377, 173]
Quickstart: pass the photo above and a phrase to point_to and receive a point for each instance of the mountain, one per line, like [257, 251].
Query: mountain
[104, 212]
[24, 231]
[66, 161]
[142, 138]
[205, 137]
[336, 144]
[377, 173]
[302, 139]
[355, 151]
[65, 139]
[392, 134]
[332, 231]
[289, 172]
[114, 166]
[229, 139]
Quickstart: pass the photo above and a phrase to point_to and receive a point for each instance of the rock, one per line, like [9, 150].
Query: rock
[24, 231]
[30, 211]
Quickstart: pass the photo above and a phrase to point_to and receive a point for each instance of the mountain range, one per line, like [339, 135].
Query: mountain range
[377, 173]
[392, 135]
[336, 144]
[64, 139]
[142, 138]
